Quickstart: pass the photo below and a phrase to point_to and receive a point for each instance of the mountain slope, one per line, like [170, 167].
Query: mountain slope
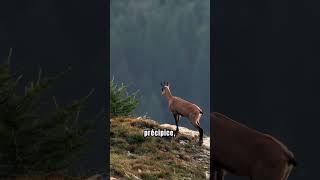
[133, 156]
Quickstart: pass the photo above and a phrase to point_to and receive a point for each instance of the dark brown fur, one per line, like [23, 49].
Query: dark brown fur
[246, 152]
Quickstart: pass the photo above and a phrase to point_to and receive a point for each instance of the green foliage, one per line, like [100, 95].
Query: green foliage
[135, 139]
[32, 143]
[121, 102]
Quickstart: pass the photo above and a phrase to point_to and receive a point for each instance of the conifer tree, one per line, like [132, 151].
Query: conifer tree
[121, 102]
[32, 143]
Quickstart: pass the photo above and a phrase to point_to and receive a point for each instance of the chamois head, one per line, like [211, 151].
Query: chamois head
[165, 88]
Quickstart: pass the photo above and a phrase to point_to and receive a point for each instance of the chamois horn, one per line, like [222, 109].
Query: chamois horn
[164, 83]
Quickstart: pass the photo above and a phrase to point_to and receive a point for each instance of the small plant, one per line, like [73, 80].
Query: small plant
[32, 143]
[135, 139]
[121, 102]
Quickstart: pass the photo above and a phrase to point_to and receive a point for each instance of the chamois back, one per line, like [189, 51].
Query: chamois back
[184, 107]
[239, 149]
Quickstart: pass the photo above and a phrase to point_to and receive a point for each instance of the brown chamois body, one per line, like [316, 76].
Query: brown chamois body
[180, 107]
[246, 152]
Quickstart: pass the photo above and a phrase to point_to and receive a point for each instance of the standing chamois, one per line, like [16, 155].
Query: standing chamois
[246, 152]
[180, 107]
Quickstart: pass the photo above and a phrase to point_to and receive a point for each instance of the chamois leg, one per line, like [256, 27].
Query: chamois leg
[214, 174]
[177, 118]
[200, 132]
[220, 174]
[200, 129]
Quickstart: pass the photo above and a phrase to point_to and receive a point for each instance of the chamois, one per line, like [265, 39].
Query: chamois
[246, 152]
[180, 107]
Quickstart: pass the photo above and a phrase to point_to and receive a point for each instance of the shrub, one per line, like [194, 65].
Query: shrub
[121, 102]
[135, 139]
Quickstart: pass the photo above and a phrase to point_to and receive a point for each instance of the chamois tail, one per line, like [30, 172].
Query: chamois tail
[200, 110]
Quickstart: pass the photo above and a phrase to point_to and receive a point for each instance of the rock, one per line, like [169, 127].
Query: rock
[186, 131]
[207, 175]
[182, 142]
[129, 154]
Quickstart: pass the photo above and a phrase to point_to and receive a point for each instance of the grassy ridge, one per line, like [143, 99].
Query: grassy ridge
[135, 157]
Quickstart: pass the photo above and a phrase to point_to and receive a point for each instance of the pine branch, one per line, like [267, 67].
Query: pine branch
[32, 143]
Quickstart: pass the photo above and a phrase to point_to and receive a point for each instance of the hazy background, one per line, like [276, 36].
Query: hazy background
[156, 40]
